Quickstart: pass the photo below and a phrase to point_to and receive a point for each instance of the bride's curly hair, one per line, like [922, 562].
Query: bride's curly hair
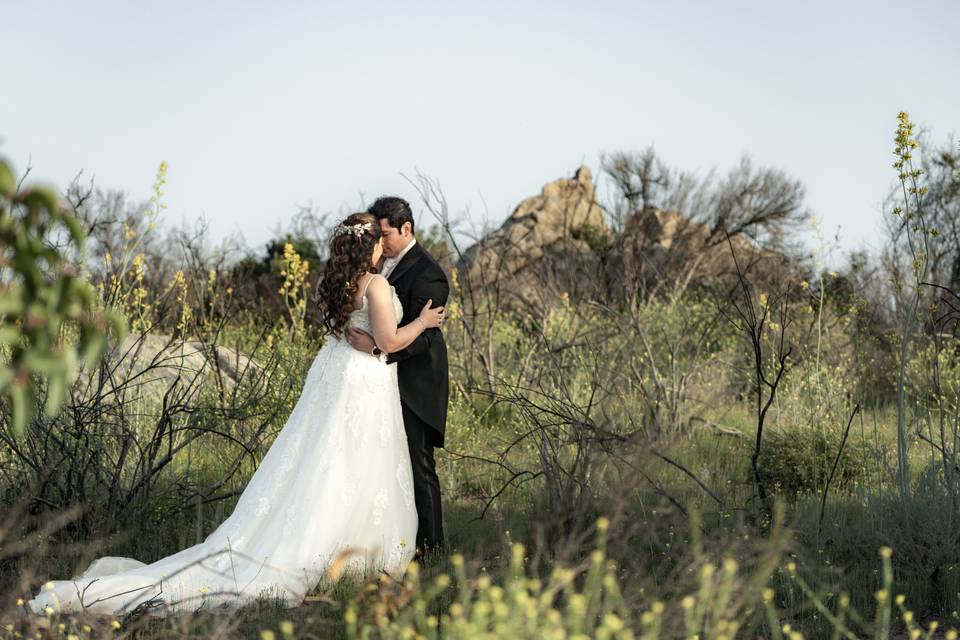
[351, 250]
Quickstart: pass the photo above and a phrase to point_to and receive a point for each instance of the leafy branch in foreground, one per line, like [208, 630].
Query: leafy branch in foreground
[40, 294]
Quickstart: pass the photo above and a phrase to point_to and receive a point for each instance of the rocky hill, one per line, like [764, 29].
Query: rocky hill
[544, 246]
[560, 242]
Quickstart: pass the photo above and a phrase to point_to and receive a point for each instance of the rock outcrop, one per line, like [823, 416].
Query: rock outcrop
[158, 361]
[668, 249]
[559, 242]
[544, 246]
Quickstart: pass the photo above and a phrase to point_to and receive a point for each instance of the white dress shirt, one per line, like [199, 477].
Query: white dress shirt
[390, 263]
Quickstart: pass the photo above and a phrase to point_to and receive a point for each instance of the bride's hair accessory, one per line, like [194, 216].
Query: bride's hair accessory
[352, 244]
[356, 229]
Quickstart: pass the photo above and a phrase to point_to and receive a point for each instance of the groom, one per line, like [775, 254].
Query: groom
[422, 366]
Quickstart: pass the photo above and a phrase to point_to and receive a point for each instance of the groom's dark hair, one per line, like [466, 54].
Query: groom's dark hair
[394, 210]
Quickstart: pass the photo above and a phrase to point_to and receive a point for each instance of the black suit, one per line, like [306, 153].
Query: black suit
[424, 388]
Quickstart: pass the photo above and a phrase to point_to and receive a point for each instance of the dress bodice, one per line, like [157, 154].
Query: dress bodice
[360, 318]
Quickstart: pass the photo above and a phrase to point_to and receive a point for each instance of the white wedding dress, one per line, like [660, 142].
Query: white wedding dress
[337, 476]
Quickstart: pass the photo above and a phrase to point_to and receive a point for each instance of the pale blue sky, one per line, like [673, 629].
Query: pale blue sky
[259, 107]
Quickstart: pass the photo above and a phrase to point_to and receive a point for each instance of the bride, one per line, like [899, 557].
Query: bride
[333, 492]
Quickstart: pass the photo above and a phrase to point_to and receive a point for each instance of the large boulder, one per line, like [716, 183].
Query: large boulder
[153, 362]
[559, 242]
[543, 247]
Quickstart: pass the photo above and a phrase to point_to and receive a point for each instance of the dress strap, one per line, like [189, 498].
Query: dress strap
[365, 285]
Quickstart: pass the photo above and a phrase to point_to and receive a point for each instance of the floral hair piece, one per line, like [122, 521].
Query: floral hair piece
[356, 229]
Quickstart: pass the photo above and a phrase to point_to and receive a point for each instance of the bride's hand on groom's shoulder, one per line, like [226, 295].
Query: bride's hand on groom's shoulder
[431, 318]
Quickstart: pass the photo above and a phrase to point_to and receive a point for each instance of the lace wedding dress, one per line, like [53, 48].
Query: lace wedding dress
[337, 476]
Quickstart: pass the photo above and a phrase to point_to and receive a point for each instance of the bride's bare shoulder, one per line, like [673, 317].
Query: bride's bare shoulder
[378, 286]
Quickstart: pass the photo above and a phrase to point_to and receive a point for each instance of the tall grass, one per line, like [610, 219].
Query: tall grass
[600, 478]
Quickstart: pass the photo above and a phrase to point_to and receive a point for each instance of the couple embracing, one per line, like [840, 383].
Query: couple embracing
[350, 480]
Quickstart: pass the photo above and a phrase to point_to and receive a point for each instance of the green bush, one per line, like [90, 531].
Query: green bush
[798, 461]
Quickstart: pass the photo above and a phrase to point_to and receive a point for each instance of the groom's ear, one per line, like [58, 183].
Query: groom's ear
[406, 229]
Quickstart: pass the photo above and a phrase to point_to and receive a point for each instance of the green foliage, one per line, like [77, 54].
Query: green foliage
[559, 412]
[294, 270]
[304, 247]
[797, 461]
[434, 240]
[274, 258]
[40, 294]
[723, 600]
[597, 238]
[524, 607]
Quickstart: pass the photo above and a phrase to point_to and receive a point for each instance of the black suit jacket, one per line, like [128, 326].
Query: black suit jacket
[422, 366]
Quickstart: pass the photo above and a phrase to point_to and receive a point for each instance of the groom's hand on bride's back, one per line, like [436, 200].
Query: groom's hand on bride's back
[360, 339]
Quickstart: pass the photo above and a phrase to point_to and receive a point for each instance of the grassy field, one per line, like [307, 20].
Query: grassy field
[763, 454]
[675, 503]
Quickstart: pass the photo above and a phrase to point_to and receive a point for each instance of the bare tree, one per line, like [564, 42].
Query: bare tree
[643, 182]
[941, 204]
[764, 322]
[762, 202]
[670, 225]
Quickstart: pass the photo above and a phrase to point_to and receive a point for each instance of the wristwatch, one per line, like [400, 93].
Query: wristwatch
[378, 353]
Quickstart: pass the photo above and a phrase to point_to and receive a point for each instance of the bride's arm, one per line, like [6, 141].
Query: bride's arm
[383, 318]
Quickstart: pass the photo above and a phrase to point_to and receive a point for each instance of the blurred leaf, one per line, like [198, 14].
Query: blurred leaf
[118, 324]
[9, 335]
[11, 302]
[94, 349]
[50, 363]
[41, 198]
[18, 400]
[60, 296]
[76, 230]
[7, 182]
[70, 362]
[56, 394]
[82, 289]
